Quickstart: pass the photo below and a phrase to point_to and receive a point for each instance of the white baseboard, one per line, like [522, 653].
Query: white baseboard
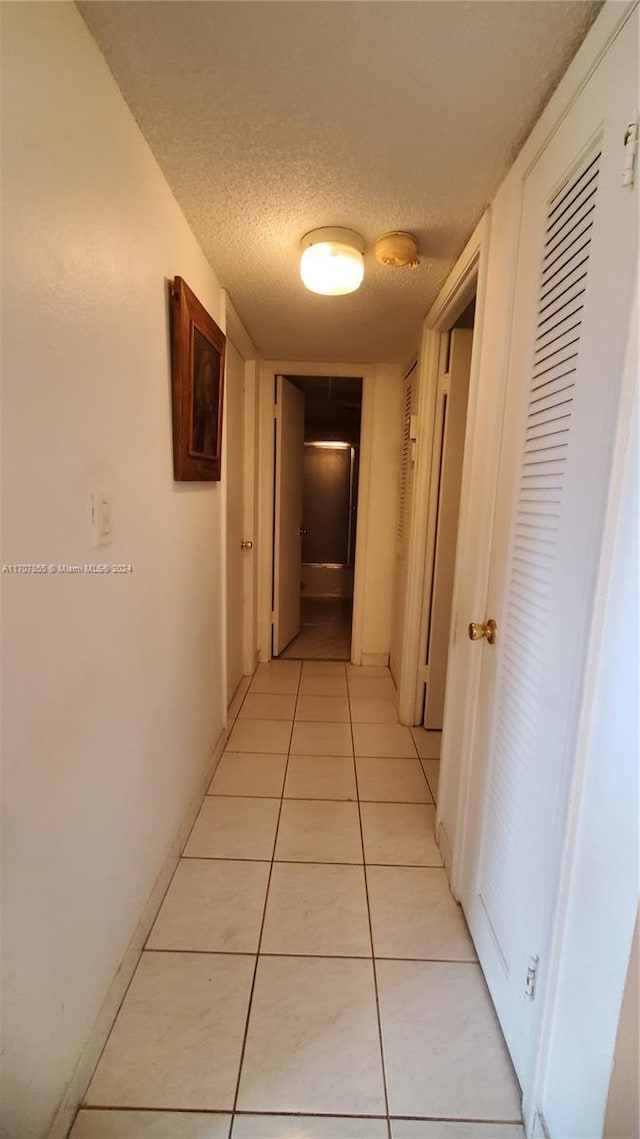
[236, 703]
[444, 846]
[375, 660]
[79, 1082]
[540, 1129]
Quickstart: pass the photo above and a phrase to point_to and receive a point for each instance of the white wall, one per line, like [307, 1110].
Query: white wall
[381, 514]
[113, 702]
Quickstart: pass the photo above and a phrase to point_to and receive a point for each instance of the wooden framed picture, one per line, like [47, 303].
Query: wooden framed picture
[197, 381]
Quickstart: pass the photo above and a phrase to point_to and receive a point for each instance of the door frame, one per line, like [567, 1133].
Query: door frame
[269, 369]
[237, 334]
[467, 279]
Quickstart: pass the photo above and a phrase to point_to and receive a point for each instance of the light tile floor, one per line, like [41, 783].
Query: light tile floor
[325, 630]
[309, 975]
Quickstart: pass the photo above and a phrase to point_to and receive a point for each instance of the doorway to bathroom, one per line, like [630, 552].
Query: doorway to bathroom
[316, 479]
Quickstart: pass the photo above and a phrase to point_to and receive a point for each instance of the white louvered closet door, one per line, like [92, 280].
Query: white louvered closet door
[576, 263]
[402, 525]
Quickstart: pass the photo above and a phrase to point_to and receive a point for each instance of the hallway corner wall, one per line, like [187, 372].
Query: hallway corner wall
[113, 683]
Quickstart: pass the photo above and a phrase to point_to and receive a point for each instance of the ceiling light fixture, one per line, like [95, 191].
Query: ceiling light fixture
[332, 261]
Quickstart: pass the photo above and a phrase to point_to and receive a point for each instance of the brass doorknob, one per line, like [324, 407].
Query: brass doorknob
[246, 545]
[490, 631]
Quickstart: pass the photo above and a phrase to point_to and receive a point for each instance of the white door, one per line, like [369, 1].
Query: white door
[456, 396]
[287, 559]
[577, 261]
[234, 441]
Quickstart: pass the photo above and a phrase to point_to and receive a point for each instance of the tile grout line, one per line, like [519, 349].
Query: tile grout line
[319, 861]
[431, 790]
[293, 1115]
[264, 915]
[321, 798]
[316, 956]
[373, 959]
[424, 774]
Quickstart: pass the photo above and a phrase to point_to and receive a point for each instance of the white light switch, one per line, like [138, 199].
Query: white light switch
[101, 518]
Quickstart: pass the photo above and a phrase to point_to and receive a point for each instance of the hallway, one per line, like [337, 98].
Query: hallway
[309, 975]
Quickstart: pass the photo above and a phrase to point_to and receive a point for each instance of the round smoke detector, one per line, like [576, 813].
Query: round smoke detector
[397, 250]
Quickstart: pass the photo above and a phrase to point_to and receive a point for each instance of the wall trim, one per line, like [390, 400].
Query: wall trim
[77, 1087]
[236, 330]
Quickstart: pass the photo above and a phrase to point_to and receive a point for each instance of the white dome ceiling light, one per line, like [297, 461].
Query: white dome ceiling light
[396, 250]
[332, 261]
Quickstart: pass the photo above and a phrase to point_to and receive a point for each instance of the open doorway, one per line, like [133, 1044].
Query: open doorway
[451, 426]
[329, 470]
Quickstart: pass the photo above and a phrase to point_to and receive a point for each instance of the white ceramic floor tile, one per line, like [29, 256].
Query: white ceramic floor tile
[373, 710]
[453, 1129]
[307, 1127]
[248, 773]
[277, 667]
[444, 1052]
[431, 768]
[213, 907]
[176, 1042]
[267, 706]
[399, 834]
[427, 743]
[318, 832]
[321, 739]
[317, 910]
[327, 709]
[320, 777]
[385, 740]
[391, 781]
[323, 668]
[271, 736]
[368, 671]
[234, 828]
[275, 683]
[96, 1124]
[372, 687]
[312, 1044]
[313, 684]
[413, 915]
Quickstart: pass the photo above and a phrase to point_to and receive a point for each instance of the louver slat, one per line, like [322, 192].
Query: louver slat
[536, 521]
[405, 466]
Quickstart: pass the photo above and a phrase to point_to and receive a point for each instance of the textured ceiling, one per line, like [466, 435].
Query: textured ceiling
[273, 118]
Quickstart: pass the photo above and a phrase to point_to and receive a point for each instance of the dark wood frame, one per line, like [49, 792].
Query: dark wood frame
[188, 316]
